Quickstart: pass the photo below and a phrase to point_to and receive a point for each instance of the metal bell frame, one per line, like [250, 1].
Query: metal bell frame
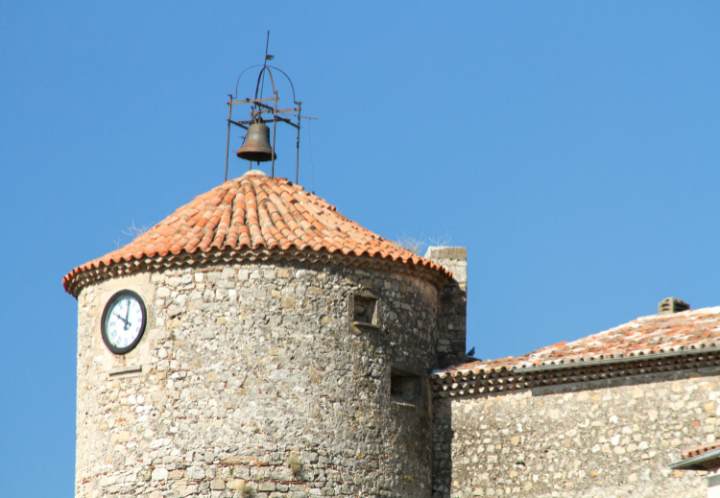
[266, 110]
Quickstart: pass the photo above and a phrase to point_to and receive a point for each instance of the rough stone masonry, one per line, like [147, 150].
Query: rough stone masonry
[602, 439]
[254, 380]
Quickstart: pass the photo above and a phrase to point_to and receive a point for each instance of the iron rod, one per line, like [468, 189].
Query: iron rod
[241, 124]
[227, 141]
[297, 144]
[245, 122]
[273, 147]
[253, 101]
[274, 138]
[278, 111]
[285, 120]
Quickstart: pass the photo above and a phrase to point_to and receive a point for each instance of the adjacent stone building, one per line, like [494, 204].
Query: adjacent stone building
[603, 416]
[257, 343]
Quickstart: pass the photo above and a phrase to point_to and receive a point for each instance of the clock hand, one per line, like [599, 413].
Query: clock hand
[123, 319]
[127, 315]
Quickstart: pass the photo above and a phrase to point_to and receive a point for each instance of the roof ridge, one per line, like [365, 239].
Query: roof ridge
[667, 333]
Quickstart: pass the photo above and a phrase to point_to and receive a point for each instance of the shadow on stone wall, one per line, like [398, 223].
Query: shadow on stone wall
[650, 378]
[442, 444]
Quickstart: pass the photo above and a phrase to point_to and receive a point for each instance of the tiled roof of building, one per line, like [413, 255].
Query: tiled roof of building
[706, 458]
[648, 335]
[251, 213]
[700, 450]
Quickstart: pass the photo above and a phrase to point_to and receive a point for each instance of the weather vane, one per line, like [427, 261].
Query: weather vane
[259, 145]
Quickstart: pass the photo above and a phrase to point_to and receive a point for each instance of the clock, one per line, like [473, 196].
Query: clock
[123, 321]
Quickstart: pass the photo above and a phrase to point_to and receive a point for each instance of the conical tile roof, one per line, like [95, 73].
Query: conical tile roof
[253, 215]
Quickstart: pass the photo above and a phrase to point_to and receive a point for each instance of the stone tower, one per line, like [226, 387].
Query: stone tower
[257, 343]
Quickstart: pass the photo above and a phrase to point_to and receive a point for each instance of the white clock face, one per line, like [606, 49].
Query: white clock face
[123, 322]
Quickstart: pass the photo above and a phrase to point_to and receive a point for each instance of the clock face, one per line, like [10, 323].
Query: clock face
[123, 321]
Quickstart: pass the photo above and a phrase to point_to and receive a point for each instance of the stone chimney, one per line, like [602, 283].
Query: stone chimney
[671, 305]
[452, 318]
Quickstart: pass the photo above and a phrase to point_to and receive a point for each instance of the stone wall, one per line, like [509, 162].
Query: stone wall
[452, 321]
[598, 439]
[252, 380]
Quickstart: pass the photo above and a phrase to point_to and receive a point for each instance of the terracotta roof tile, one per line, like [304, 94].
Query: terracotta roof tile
[255, 211]
[700, 450]
[667, 333]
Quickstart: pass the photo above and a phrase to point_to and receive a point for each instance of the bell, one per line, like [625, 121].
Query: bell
[257, 146]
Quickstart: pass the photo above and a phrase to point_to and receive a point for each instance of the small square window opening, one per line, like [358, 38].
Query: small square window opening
[364, 309]
[404, 387]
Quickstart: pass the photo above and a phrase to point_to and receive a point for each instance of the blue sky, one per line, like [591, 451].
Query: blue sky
[571, 146]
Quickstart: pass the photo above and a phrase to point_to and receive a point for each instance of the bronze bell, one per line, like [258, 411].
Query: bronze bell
[256, 146]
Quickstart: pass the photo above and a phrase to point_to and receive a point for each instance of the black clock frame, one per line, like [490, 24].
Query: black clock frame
[103, 324]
